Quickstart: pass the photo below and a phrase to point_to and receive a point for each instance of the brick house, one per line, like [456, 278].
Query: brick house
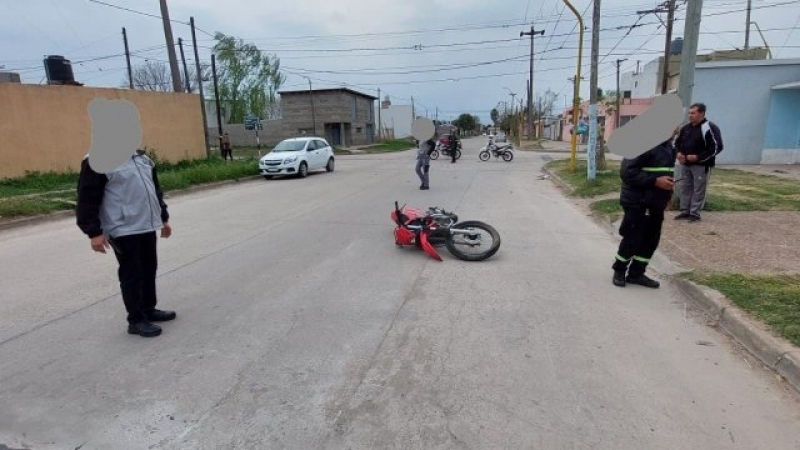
[342, 116]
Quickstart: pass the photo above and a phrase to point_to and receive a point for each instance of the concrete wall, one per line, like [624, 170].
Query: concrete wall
[48, 128]
[397, 118]
[737, 95]
[782, 135]
[272, 133]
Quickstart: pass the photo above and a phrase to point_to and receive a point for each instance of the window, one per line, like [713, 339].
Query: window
[358, 129]
[311, 145]
[321, 144]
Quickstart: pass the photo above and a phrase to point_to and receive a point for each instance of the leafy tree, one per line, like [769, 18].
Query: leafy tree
[248, 78]
[495, 116]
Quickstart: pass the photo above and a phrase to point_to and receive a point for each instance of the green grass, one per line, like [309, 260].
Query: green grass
[609, 208]
[605, 182]
[392, 145]
[730, 190]
[57, 192]
[773, 299]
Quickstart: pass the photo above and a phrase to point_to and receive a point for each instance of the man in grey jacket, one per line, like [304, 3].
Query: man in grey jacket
[123, 209]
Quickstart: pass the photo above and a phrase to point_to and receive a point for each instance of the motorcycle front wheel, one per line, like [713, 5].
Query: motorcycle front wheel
[484, 155]
[435, 155]
[458, 154]
[480, 242]
[508, 156]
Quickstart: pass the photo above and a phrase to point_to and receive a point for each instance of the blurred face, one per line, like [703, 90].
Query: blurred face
[695, 116]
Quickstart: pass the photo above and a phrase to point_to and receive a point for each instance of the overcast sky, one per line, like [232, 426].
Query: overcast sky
[470, 49]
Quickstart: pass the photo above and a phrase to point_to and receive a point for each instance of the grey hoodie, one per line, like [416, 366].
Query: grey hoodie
[123, 202]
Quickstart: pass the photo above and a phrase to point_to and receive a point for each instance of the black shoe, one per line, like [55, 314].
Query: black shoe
[619, 278]
[683, 216]
[424, 188]
[643, 280]
[694, 217]
[144, 329]
[161, 316]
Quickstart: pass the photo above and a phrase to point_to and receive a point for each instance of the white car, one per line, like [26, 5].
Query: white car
[297, 156]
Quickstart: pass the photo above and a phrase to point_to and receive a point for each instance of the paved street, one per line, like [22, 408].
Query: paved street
[302, 326]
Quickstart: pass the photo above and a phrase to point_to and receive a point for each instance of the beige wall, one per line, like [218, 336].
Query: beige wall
[48, 128]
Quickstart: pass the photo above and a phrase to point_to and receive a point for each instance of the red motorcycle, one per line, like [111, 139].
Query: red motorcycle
[469, 240]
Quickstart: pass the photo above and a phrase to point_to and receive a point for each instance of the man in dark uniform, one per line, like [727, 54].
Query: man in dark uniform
[647, 183]
[453, 146]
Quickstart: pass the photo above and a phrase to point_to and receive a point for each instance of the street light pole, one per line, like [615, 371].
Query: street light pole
[576, 94]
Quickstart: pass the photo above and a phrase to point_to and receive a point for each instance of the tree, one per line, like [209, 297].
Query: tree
[495, 116]
[466, 122]
[155, 76]
[248, 79]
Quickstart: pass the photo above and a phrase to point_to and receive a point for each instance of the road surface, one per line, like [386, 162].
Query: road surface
[301, 326]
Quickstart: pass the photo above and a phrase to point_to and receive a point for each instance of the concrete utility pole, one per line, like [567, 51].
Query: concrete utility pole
[691, 35]
[173, 58]
[576, 94]
[591, 152]
[531, 33]
[127, 57]
[200, 87]
[380, 124]
[216, 96]
[619, 95]
[185, 69]
[747, 28]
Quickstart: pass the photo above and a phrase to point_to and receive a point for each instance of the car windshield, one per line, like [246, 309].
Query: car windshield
[289, 146]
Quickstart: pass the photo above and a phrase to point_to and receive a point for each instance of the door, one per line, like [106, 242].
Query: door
[325, 152]
[312, 153]
[335, 134]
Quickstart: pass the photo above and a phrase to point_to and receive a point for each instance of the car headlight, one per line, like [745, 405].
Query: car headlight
[290, 159]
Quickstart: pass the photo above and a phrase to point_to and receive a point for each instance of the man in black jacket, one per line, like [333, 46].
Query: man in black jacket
[123, 209]
[647, 183]
[453, 146]
[698, 144]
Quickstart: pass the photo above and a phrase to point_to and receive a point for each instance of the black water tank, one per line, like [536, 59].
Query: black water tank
[676, 47]
[58, 70]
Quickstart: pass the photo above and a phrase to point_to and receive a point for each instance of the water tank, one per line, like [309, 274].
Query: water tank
[676, 47]
[58, 70]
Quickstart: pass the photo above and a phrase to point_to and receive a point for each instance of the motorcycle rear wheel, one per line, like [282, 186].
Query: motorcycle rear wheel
[435, 155]
[460, 245]
[508, 156]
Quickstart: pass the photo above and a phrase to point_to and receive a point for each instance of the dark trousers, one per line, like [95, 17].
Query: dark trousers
[453, 154]
[641, 233]
[227, 153]
[138, 263]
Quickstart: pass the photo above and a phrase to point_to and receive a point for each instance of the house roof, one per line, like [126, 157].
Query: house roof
[748, 63]
[794, 85]
[349, 91]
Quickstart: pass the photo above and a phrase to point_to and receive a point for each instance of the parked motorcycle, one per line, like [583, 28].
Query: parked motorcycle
[470, 240]
[444, 150]
[505, 151]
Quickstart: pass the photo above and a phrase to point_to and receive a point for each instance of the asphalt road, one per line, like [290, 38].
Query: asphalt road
[301, 326]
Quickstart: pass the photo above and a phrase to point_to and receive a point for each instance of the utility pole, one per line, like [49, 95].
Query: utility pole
[670, 10]
[127, 57]
[200, 87]
[173, 59]
[313, 113]
[747, 30]
[592, 155]
[185, 69]
[531, 33]
[216, 96]
[576, 93]
[413, 111]
[691, 36]
[380, 124]
[619, 95]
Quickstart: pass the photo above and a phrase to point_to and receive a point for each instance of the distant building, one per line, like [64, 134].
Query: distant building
[343, 116]
[396, 119]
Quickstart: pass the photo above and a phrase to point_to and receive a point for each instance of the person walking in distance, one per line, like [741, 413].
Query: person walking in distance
[647, 183]
[698, 144]
[122, 209]
[424, 162]
[225, 140]
[453, 146]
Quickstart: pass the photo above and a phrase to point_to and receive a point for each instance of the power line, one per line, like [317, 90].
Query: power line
[142, 13]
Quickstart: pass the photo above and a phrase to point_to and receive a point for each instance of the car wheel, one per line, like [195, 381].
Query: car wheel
[303, 170]
[268, 177]
[329, 167]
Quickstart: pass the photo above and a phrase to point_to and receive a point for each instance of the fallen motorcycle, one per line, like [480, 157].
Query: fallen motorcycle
[505, 151]
[470, 240]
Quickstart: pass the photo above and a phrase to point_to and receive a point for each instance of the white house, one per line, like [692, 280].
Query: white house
[395, 119]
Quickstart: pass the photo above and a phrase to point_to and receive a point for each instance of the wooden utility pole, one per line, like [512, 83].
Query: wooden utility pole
[747, 30]
[380, 124]
[313, 113]
[127, 57]
[173, 58]
[531, 33]
[200, 87]
[216, 97]
[593, 156]
[668, 7]
[185, 69]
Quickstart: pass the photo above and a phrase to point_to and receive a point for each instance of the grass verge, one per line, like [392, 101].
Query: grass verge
[391, 145]
[609, 208]
[774, 299]
[36, 194]
[606, 181]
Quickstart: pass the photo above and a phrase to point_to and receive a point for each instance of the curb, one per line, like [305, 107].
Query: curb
[51, 217]
[774, 352]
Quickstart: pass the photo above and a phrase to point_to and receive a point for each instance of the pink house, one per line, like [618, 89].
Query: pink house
[629, 109]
